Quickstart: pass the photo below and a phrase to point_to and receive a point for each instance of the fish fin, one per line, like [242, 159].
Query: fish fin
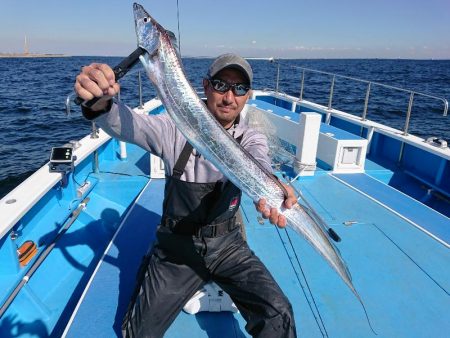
[173, 38]
[322, 225]
[151, 46]
[174, 42]
[312, 213]
[303, 203]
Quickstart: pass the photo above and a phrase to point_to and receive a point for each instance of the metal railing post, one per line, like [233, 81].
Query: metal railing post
[405, 129]
[94, 133]
[366, 102]
[68, 101]
[95, 162]
[408, 114]
[302, 85]
[278, 78]
[331, 92]
[140, 90]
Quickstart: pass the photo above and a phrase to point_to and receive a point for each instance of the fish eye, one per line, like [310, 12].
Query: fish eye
[145, 19]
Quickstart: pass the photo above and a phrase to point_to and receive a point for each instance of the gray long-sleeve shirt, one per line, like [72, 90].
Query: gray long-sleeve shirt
[159, 135]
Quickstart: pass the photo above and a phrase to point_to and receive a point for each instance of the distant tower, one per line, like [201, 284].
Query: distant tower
[25, 47]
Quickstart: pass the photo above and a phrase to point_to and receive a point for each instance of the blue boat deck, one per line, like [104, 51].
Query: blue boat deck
[42, 306]
[400, 271]
[396, 248]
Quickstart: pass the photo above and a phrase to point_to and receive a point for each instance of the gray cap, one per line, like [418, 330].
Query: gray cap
[231, 61]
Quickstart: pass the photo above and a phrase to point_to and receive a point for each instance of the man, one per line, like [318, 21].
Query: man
[198, 239]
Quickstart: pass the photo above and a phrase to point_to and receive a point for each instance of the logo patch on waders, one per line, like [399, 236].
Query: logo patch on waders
[234, 202]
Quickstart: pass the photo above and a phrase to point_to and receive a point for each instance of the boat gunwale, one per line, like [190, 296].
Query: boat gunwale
[42, 181]
[29, 192]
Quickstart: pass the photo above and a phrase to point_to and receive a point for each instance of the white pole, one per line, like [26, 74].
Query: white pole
[123, 150]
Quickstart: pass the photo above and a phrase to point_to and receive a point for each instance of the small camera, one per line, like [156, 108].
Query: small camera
[61, 159]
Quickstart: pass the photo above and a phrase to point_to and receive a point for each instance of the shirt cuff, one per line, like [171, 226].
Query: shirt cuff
[90, 114]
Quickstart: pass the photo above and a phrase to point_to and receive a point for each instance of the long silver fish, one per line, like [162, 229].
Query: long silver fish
[198, 125]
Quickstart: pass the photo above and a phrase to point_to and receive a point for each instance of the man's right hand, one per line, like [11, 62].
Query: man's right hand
[97, 80]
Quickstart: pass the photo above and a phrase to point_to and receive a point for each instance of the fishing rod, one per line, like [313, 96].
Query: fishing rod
[119, 71]
[43, 256]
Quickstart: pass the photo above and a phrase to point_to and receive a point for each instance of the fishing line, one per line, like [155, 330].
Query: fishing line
[122, 174]
[106, 172]
[178, 21]
[310, 211]
[245, 214]
[411, 259]
[306, 281]
[115, 173]
[324, 334]
[301, 285]
[304, 276]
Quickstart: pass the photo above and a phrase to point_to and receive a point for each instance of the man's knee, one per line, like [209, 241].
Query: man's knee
[276, 323]
[286, 322]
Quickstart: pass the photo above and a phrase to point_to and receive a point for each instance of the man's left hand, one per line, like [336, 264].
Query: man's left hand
[272, 214]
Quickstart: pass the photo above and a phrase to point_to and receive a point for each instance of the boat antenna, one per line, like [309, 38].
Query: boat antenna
[178, 21]
[25, 46]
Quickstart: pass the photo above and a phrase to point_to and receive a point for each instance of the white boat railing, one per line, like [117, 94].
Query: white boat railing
[333, 76]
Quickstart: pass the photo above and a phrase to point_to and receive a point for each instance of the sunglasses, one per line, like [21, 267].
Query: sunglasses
[239, 89]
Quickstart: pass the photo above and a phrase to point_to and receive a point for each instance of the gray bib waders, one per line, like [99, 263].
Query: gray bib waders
[199, 241]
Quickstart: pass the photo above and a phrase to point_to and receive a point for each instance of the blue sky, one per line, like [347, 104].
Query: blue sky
[295, 29]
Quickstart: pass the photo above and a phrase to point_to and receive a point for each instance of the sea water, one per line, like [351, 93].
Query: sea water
[33, 92]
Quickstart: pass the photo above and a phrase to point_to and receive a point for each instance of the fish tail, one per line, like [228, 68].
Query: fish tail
[365, 311]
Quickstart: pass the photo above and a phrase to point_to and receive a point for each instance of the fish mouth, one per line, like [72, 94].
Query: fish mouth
[147, 29]
[139, 12]
[141, 16]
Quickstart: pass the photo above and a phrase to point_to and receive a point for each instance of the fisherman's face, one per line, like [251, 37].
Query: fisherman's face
[226, 106]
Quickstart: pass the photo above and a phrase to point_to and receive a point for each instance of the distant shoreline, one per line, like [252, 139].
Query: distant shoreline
[31, 55]
[37, 55]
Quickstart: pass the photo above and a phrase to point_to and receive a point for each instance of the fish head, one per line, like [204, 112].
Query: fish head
[148, 30]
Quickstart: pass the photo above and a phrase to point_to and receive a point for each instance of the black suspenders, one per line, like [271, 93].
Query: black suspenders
[178, 169]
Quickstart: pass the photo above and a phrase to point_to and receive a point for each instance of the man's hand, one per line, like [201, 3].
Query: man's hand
[272, 213]
[97, 80]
